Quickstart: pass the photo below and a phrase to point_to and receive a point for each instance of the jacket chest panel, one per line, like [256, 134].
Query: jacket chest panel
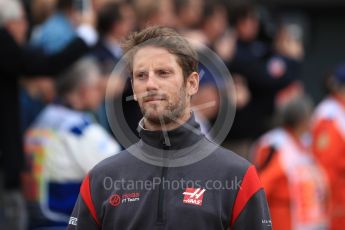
[186, 206]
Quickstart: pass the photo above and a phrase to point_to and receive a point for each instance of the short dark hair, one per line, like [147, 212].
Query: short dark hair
[180, 5]
[211, 8]
[64, 4]
[241, 11]
[166, 38]
[109, 14]
[295, 111]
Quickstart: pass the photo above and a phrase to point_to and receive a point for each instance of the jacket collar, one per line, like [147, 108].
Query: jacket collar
[183, 136]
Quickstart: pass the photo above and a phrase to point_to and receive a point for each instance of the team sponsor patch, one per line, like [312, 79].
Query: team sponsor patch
[116, 199]
[193, 196]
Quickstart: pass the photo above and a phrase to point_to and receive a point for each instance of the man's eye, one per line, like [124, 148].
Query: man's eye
[164, 73]
[140, 76]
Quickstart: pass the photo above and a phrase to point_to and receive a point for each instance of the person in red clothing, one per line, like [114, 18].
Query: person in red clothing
[295, 185]
[329, 144]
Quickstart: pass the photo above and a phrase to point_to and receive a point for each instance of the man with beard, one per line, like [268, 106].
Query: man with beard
[173, 178]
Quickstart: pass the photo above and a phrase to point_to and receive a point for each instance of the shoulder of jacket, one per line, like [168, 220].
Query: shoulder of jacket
[112, 165]
[228, 159]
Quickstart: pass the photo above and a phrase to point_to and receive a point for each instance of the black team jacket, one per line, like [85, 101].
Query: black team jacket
[219, 191]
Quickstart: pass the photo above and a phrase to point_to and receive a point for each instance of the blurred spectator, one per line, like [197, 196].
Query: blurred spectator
[58, 30]
[284, 65]
[246, 22]
[64, 144]
[329, 143]
[154, 12]
[188, 13]
[14, 62]
[34, 95]
[114, 22]
[214, 22]
[248, 52]
[53, 31]
[295, 185]
[41, 10]
[52, 36]
[266, 72]
[98, 4]
[214, 28]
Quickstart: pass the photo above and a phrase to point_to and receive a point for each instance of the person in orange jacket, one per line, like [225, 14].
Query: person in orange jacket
[295, 185]
[329, 143]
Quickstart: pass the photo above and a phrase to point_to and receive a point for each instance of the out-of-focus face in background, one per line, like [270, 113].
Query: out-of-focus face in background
[81, 86]
[98, 4]
[41, 10]
[127, 23]
[247, 27]
[92, 92]
[215, 22]
[219, 21]
[188, 12]
[288, 41]
[15, 22]
[155, 12]
[41, 88]
[165, 15]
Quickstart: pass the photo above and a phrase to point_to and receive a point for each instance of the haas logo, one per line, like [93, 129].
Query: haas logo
[115, 200]
[193, 196]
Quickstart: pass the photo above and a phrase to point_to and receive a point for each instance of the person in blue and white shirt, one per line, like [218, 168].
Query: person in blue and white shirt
[63, 144]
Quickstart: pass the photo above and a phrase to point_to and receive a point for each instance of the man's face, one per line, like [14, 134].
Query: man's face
[18, 28]
[159, 86]
[92, 94]
[126, 25]
[248, 27]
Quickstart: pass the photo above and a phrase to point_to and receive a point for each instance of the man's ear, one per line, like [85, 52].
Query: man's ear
[192, 84]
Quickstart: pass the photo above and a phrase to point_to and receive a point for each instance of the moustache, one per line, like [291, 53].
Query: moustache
[154, 96]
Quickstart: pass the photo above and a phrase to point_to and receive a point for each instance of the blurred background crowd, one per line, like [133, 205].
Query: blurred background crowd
[287, 63]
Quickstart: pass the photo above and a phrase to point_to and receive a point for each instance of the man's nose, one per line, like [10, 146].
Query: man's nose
[151, 83]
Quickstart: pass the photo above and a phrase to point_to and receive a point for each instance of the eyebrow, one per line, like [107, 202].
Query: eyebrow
[142, 70]
[164, 68]
[139, 71]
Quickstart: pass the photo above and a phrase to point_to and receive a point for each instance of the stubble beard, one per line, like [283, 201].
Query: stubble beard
[170, 114]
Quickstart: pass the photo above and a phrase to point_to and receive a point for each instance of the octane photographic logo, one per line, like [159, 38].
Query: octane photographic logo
[213, 68]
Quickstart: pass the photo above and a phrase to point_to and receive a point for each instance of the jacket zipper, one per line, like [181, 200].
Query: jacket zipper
[161, 194]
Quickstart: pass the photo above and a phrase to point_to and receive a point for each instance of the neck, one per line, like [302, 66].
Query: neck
[153, 126]
[74, 101]
[296, 133]
[183, 136]
[340, 96]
